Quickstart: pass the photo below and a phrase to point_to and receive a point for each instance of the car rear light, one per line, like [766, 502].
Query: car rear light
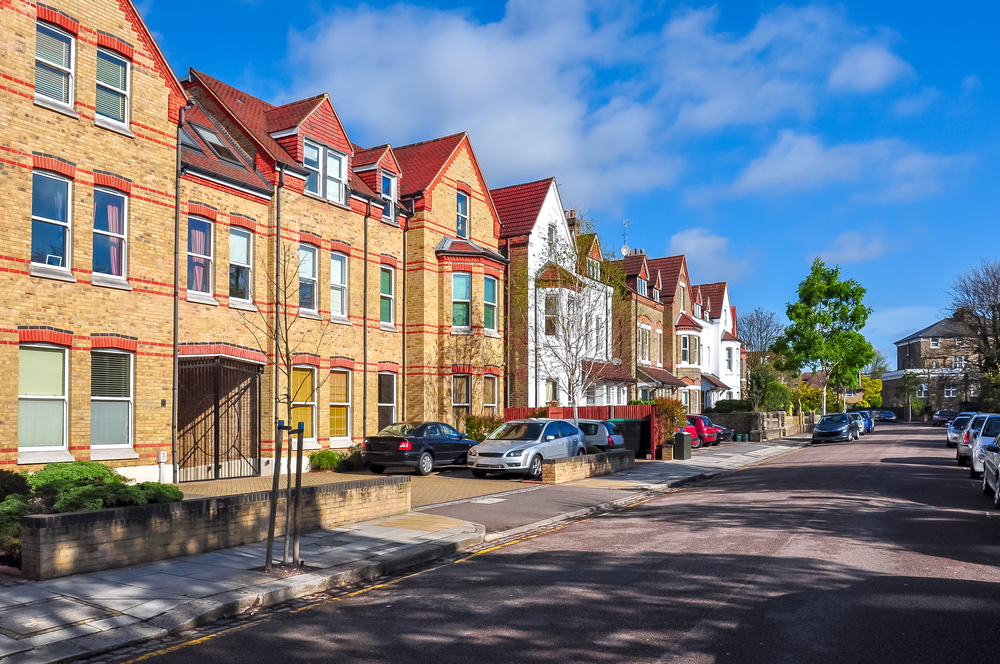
[966, 436]
[406, 445]
[611, 441]
[364, 444]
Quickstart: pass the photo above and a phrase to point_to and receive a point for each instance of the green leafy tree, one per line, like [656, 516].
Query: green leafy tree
[777, 397]
[907, 388]
[758, 380]
[825, 330]
[806, 397]
[872, 387]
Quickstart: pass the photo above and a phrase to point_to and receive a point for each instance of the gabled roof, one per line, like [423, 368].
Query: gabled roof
[729, 336]
[670, 272]
[685, 322]
[205, 160]
[424, 162]
[734, 319]
[713, 296]
[291, 115]
[634, 265]
[946, 327]
[519, 206]
[607, 371]
[714, 382]
[697, 299]
[146, 36]
[662, 376]
[366, 156]
[588, 245]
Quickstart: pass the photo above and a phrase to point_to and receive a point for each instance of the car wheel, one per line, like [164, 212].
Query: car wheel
[996, 499]
[972, 472]
[582, 451]
[425, 464]
[960, 459]
[377, 469]
[479, 473]
[986, 485]
[535, 467]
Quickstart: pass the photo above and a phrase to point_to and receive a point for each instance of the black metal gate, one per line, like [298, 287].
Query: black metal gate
[218, 419]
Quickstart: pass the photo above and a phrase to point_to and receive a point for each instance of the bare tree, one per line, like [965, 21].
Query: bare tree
[975, 296]
[759, 329]
[877, 366]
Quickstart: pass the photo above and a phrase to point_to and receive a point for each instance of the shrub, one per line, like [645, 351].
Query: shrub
[160, 493]
[12, 483]
[338, 460]
[477, 427]
[732, 406]
[63, 476]
[671, 415]
[594, 450]
[12, 509]
[100, 496]
[642, 402]
[777, 397]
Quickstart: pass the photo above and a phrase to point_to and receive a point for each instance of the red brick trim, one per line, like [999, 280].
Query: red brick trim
[303, 358]
[45, 335]
[386, 259]
[342, 363]
[112, 181]
[463, 369]
[342, 247]
[55, 17]
[389, 366]
[219, 348]
[118, 341]
[644, 320]
[243, 222]
[202, 210]
[463, 187]
[54, 164]
[493, 272]
[117, 45]
[308, 237]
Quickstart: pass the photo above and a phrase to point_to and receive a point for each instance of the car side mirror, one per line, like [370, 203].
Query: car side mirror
[550, 438]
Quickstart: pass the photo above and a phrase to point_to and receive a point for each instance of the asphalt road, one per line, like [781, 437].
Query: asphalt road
[880, 550]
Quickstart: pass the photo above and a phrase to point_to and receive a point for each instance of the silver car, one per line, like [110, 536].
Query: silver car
[601, 434]
[987, 436]
[520, 446]
[957, 428]
[968, 438]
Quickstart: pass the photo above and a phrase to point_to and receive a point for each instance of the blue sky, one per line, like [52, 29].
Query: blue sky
[752, 136]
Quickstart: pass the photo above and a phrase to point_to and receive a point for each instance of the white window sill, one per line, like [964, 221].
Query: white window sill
[389, 222]
[341, 320]
[111, 453]
[244, 305]
[49, 272]
[308, 313]
[57, 106]
[111, 125]
[25, 457]
[201, 298]
[317, 197]
[388, 327]
[108, 281]
[461, 330]
[341, 443]
[491, 333]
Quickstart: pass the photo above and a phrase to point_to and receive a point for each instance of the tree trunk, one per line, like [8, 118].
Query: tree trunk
[824, 399]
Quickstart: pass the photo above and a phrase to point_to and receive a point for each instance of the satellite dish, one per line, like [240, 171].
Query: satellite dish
[626, 250]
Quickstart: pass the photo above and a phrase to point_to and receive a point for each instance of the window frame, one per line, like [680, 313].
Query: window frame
[490, 396]
[458, 302]
[343, 287]
[70, 72]
[550, 316]
[209, 257]
[323, 172]
[950, 392]
[729, 359]
[123, 236]
[313, 279]
[459, 217]
[130, 400]
[641, 286]
[388, 211]
[935, 342]
[551, 390]
[379, 404]
[342, 404]
[126, 93]
[593, 268]
[390, 296]
[206, 134]
[490, 306]
[685, 349]
[67, 225]
[456, 404]
[302, 404]
[34, 397]
[248, 266]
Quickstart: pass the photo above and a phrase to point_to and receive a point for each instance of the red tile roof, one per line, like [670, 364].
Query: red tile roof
[714, 382]
[519, 206]
[713, 295]
[685, 322]
[291, 115]
[421, 163]
[729, 336]
[663, 376]
[606, 371]
[206, 159]
[670, 272]
[366, 156]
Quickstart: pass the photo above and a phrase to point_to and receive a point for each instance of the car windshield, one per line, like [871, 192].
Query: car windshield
[834, 419]
[960, 422]
[517, 431]
[398, 429]
[992, 428]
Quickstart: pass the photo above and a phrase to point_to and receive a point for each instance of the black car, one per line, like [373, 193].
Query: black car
[835, 427]
[423, 445]
[943, 417]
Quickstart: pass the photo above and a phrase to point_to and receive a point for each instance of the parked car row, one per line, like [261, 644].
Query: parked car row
[984, 461]
[844, 427]
[943, 418]
[704, 433]
[970, 433]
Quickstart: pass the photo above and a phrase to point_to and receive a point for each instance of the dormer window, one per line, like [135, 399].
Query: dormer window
[656, 294]
[593, 268]
[697, 311]
[219, 147]
[389, 196]
[640, 286]
[326, 172]
[187, 141]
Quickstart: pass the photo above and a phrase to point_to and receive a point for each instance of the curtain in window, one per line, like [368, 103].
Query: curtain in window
[198, 244]
[115, 226]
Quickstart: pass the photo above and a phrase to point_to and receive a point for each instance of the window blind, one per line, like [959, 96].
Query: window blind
[51, 83]
[53, 47]
[111, 71]
[109, 422]
[109, 375]
[40, 372]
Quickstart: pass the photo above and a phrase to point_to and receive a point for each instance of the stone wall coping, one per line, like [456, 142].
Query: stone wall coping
[591, 457]
[37, 521]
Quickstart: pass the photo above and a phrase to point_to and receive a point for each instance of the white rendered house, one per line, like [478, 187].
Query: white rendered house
[720, 358]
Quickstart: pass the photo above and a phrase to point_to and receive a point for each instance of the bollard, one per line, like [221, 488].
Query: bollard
[682, 446]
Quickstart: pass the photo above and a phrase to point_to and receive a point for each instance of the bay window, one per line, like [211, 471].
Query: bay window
[490, 304]
[340, 404]
[304, 400]
[490, 395]
[461, 300]
[461, 393]
[685, 349]
[386, 399]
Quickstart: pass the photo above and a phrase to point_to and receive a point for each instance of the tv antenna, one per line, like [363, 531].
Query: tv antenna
[626, 250]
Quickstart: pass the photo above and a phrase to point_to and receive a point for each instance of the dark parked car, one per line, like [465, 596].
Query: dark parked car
[886, 416]
[422, 445]
[835, 427]
[943, 417]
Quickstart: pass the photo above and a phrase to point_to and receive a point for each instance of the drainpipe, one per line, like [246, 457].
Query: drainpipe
[402, 336]
[364, 343]
[277, 309]
[174, 387]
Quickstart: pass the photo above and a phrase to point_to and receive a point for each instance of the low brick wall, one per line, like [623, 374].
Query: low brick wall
[54, 545]
[569, 469]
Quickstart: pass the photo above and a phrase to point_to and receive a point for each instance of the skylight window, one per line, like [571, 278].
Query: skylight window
[188, 141]
[218, 145]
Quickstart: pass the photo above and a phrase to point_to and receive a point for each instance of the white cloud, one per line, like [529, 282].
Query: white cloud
[708, 256]
[888, 325]
[971, 83]
[854, 247]
[917, 103]
[867, 68]
[580, 89]
[887, 169]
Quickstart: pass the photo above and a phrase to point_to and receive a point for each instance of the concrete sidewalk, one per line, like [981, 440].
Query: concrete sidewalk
[77, 616]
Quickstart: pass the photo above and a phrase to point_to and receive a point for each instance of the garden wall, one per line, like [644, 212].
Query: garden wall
[54, 545]
[570, 469]
[762, 427]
